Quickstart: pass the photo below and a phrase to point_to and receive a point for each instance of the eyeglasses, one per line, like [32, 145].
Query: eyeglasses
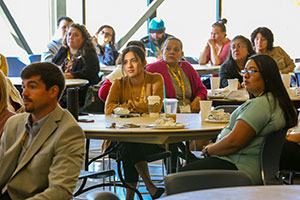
[105, 33]
[250, 71]
[237, 47]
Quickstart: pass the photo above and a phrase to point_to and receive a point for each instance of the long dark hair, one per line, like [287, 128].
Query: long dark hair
[137, 51]
[273, 84]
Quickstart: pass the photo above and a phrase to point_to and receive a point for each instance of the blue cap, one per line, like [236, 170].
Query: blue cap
[156, 25]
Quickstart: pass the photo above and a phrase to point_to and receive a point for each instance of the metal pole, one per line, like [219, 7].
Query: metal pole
[83, 12]
[14, 29]
[151, 17]
[218, 10]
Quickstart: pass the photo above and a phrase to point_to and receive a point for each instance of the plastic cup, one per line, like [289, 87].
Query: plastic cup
[170, 107]
[233, 84]
[214, 82]
[205, 108]
[153, 106]
[286, 79]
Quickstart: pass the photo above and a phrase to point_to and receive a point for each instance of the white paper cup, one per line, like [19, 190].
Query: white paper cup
[170, 107]
[233, 84]
[153, 106]
[205, 108]
[286, 79]
[214, 82]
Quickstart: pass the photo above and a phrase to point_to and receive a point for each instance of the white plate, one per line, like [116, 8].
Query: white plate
[177, 126]
[216, 96]
[216, 121]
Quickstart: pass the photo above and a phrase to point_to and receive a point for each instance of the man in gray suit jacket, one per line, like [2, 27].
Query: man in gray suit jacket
[41, 151]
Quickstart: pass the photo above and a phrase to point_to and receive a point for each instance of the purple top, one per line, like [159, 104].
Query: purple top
[198, 89]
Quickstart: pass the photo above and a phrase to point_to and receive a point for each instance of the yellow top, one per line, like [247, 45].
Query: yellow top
[121, 92]
[3, 65]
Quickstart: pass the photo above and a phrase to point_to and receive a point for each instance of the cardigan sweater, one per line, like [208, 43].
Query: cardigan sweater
[198, 89]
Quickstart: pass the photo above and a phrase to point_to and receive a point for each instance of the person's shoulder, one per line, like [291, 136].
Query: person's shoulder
[145, 39]
[154, 76]
[17, 118]
[278, 49]
[155, 65]
[185, 64]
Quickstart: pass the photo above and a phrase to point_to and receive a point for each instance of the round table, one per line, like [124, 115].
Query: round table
[277, 192]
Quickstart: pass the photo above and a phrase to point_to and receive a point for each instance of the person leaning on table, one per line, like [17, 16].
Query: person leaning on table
[131, 92]
[217, 47]
[41, 151]
[240, 50]
[270, 109]
[262, 40]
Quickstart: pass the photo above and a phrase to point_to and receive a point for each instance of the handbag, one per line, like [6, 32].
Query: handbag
[93, 104]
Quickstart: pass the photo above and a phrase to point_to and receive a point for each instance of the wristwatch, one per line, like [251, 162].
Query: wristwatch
[205, 152]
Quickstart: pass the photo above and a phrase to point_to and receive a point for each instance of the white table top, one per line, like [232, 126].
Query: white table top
[196, 129]
[278, 192]
[203, 69]
[17, 81]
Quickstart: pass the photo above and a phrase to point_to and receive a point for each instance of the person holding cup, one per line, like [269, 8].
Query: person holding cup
[131, 92]
[240, 50]
[270, 109]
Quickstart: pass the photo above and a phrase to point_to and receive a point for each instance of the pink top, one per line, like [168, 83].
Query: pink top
[223, 53]
[104, 90]
[198, 89]
[3, 118]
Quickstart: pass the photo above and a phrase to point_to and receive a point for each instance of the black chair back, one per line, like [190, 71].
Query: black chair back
[205, 179]
[297, 75]
[270, 157]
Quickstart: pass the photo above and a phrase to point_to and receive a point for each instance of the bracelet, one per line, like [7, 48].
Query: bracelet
[205, 152]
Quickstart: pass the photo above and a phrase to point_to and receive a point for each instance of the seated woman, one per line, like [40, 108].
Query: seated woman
[78, 58]
[180, 78]
[238, 146]
[3, 65]
[181, 82]
[15, 101]
[116, 74]
[262, 40]
[217, 47]
[5, 113]
[241, 50]
[131, 92]
[105, 39]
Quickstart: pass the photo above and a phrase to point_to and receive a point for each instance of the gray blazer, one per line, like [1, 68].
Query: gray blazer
[51, 165]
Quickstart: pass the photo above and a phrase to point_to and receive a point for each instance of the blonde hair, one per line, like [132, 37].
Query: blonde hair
[3, 92]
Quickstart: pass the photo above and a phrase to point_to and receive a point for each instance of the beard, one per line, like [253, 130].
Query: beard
[159, 41]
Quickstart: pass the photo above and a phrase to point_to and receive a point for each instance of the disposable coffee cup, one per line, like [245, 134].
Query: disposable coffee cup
[215, 83]
[233, 84]
[153, 106]
[286, 79]
[170, 108]
[205, 108]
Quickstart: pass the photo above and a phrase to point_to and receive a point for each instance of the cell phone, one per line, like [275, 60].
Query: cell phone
[86, 120]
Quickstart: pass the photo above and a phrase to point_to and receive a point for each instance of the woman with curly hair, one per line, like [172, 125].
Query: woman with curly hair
[78, 58]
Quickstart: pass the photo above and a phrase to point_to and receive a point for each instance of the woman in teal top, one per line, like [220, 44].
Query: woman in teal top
[270, 109]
